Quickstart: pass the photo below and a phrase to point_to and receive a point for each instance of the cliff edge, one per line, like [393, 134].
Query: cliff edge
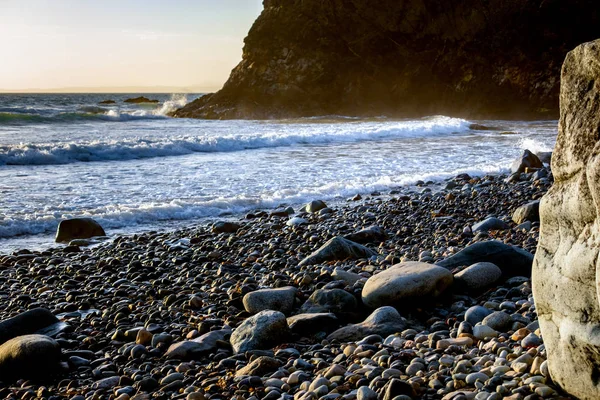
[403, 58]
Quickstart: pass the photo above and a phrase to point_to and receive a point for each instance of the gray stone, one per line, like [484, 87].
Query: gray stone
[278, 299]
[336, 301]
[307, 324]
[544, 156]
[476, 314]
[566, 268]
[490, 224]
[78, 228]
[296, 221]
[512, 260]
[368, 235]
[478, 276]
[349, 278]
[383, 321]
[29, 356]
[27, 322]
[404, 282]
[259, 332]
[527, 212]
[527, 160]
[336, 249]
[498, 320]
[201, 346]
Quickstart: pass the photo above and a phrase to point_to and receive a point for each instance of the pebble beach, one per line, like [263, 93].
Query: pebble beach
[283, 304]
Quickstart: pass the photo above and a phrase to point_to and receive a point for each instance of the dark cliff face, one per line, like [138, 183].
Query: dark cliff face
[472, 58]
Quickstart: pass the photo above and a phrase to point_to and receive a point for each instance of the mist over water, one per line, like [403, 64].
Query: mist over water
[131, 167]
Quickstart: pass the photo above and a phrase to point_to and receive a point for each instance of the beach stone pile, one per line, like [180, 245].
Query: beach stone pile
[411, 303]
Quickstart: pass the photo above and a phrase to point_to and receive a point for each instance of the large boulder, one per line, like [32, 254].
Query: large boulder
[260, 332]
[78, 228]
[338, 248]
[29, 356]
[26, 323]
[383, 321]
[405, 282]
[277, 299]
[566, 269]
[512, 260]
[402, 58]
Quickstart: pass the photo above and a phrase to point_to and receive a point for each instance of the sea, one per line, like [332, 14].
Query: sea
[134, 169]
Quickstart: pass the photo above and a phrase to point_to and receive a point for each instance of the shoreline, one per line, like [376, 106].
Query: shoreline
[178, 287]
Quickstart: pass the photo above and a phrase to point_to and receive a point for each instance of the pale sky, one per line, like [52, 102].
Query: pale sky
[115, 43]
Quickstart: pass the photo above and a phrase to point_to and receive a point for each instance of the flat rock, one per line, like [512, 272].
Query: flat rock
[259, 367]
[478, 276]
[490, 224]
[383, 321]
[29, 356]
[259, 332]
[336, 249]
[277, 299]
[527, 212]
[225, 227]
[192, 349]
[27, 322]
[406, 281]
[78, 228]
[350, 278]
[371, 234]
[308, 324]
[512, 260]
[336, 301]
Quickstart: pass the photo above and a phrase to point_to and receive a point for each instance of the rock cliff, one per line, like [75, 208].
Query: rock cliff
[472, 58]
[566, 271]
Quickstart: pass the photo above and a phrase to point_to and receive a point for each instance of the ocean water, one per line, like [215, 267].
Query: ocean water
[134, 169]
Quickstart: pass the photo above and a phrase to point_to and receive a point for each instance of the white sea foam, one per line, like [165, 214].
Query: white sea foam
[136, 148]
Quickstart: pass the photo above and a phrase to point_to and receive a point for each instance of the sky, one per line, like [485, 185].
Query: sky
[49, 44]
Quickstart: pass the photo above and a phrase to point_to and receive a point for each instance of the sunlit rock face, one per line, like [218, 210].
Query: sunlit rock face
[566, 271]
[471, 58]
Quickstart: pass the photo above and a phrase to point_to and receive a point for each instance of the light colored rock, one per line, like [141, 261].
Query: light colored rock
[338, 248]
[527, 212]
[406, 281]
[478, 276]
[566, 268]
[383, 321]
[349, 277]
[29, 356]
[277, 299]
[296, 221]
[259, 332]
[314, 206]
[512, 260]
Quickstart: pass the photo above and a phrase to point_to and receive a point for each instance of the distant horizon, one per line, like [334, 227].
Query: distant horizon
[113, 90]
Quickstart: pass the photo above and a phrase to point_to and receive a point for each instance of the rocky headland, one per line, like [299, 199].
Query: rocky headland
[417, 293]
[403, 58]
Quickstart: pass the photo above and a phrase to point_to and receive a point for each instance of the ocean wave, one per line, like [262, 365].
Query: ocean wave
[88, 113]
[116, 216]
[139, 148]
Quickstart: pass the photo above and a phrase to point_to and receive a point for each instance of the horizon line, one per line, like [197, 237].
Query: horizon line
[116, 89]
